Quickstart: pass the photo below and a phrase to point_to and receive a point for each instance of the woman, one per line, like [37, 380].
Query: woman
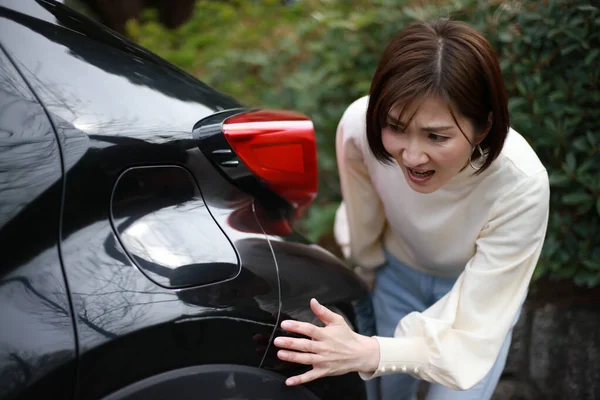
[444, 215]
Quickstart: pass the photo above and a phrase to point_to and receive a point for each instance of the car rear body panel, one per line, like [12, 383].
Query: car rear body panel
[116, 107]
[37, 341]
[141, 114]
[308, 271]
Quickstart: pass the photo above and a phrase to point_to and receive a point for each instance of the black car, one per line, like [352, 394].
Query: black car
[145, 225]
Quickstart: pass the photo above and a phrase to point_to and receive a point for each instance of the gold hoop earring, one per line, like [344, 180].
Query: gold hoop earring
[481, 155]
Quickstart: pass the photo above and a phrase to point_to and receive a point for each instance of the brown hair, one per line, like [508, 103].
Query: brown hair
[447, 59]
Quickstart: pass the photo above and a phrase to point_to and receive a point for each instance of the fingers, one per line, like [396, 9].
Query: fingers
[306, 377]
[299, 358]
[302, 328]
[324, 314]
[304, 345]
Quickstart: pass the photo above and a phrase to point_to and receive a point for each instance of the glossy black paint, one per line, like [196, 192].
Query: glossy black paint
[237, 381]
[37, 340]
[105, 321]
[161, 222]
[307, 271]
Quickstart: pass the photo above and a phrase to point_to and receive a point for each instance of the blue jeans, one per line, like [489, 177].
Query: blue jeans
[400, 290]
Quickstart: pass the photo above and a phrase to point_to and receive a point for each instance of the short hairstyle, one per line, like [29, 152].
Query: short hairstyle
[442, 58]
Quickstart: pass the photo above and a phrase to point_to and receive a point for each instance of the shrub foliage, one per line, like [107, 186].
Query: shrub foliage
[316, 56]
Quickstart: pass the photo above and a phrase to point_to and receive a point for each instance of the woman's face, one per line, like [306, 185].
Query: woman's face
[431, 150]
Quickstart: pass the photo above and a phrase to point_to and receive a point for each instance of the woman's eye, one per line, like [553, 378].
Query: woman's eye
[396, 128]
[437, 138]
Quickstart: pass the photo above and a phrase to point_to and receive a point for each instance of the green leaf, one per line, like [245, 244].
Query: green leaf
[530, 16]
[584, 208]
[539, 272]
[559, 179]
[550, 124]
[522, 90]
[573, 199]
[515, 103]
[587, 8]
[587, 279]
[571, 163]
[586, 166]
[592, 54]
[550, 247]
[566, 271]
[592, 264]
[569, 49]
[581, 144]
[557, 266]
[505, 37]
[557, 95]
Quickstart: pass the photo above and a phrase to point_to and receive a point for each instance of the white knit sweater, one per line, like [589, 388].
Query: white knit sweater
[488, 230]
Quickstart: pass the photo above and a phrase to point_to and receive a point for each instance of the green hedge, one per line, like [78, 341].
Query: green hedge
[551, 62]
[318, 56]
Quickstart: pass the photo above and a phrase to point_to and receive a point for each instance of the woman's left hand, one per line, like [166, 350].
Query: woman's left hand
[335, 349]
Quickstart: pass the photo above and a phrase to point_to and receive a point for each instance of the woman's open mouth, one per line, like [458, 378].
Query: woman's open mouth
[420, 176]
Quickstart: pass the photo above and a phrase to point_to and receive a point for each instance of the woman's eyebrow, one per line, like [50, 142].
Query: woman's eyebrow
[433, 128]
[437, 128]
[394, 121]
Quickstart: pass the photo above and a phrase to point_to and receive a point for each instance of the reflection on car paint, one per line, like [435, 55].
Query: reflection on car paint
[33, 294]
[164, 225]
[113, 107]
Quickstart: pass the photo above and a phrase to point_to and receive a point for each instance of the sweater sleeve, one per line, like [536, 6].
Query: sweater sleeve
[456, 341]
[360, 219]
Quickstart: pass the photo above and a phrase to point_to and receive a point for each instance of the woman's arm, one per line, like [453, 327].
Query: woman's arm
[460, 336]
[360, 220]
[456, 341]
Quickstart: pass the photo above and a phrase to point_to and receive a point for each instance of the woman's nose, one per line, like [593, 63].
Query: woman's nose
[413, 154]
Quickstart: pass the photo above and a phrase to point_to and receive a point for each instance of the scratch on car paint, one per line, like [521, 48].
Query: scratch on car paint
[278, 287]
[192, 319]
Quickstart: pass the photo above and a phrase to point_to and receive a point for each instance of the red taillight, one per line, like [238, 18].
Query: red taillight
[278, 147]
